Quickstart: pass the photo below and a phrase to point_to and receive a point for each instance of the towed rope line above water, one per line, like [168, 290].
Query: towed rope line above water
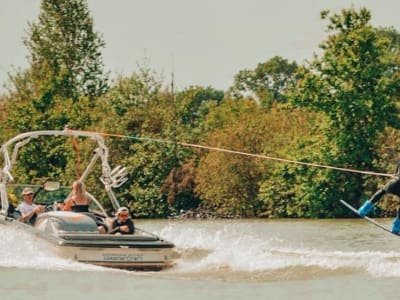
[236, 152]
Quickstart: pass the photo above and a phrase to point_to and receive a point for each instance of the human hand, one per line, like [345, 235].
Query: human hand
[124, 228]
[39, 209]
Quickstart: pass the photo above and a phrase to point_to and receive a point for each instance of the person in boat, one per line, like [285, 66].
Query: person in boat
[391, 187]
[29, 211]
[123, 223]
[78, 201]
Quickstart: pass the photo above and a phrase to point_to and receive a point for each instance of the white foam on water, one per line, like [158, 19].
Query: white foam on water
[204, 249]
[246, 251]
[21, 249]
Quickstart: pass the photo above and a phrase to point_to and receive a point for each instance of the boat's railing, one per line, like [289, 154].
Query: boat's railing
[110, 178]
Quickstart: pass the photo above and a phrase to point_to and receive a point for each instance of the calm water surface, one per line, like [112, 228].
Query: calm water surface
[239, 259]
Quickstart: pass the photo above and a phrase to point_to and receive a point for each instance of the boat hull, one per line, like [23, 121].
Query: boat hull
[140, 259]
[130, 252]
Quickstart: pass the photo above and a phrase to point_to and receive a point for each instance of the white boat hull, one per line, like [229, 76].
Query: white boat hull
[121, 258]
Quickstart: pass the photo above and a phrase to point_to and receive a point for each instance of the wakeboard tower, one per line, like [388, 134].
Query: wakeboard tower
[75, 235]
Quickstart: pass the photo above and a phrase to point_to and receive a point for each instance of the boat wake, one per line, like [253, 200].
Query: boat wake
[230, 254]
[21, 249]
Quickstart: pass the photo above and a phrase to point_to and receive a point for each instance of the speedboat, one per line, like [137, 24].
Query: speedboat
[75, 235]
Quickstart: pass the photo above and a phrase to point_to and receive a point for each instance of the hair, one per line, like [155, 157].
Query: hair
[80, 188]
[121, 210]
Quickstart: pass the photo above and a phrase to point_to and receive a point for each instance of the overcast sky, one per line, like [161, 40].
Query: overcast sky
[204, 42]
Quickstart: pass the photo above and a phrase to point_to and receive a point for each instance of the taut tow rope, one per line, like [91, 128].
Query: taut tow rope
[236, 152]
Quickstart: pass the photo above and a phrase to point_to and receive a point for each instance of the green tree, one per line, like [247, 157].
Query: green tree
[63, 81]
[268, 82]
[193, 104]
[228, 183]
[158, 184]
[66, 51]
[355, 84]
[65, 65]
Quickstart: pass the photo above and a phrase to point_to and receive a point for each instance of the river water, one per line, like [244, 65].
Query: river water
[225, 259]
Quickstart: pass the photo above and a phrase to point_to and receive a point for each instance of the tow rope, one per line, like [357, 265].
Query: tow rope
[75, 145]
[235, 152]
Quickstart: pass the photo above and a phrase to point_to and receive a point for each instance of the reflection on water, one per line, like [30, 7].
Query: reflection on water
[241, 254]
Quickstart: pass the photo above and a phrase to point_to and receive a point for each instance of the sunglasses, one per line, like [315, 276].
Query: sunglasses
[123, 215]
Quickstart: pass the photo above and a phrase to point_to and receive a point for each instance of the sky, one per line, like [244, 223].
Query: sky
[203, 42]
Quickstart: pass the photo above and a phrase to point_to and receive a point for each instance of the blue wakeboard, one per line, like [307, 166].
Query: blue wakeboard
[372, 221]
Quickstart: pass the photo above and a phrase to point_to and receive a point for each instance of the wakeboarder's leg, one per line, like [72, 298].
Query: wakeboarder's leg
[369, 204]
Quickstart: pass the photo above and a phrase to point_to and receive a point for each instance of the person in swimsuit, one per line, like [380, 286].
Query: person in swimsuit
[391, 187]
[78, 201]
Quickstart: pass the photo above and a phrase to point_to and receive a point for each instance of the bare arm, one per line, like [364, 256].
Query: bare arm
[26, 217]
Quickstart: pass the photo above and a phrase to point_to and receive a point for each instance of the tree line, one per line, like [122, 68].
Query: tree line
[339, 109]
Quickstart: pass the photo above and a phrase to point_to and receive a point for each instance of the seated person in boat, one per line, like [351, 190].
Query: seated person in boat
[29, 210]
[123, 223]
[12, 211]
[78, 201]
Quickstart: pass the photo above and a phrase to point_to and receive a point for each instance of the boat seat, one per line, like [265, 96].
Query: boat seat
[99, 221]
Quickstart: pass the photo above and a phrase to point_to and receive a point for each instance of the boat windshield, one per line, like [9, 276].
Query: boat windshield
[48, 198]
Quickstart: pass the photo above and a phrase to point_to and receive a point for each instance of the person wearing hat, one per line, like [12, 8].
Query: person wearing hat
[123, 223]
[28, 209]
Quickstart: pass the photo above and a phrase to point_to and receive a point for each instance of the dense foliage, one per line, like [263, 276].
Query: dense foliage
[340, 109]
[356, 85]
